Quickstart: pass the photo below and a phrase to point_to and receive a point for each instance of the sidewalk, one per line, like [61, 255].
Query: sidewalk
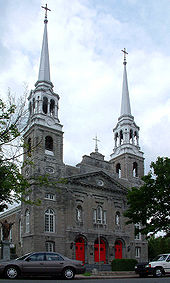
[109, 274]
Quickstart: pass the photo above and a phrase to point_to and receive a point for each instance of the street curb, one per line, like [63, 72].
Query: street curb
[109, 275]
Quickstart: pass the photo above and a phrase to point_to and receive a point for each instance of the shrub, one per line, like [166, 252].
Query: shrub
[123, 264]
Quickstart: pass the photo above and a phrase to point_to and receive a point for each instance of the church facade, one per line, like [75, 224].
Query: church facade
[81, 215]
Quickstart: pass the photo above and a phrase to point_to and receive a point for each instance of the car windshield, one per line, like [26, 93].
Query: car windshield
[23, 257]
[160, 258]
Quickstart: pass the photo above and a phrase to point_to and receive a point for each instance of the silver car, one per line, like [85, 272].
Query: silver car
[41, 264]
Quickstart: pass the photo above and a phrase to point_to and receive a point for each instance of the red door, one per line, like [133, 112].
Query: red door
[100, 251]
[80, 249]
[118, 249]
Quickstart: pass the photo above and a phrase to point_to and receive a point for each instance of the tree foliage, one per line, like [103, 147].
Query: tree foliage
[12, 183]
[158, 246]
[150, 203]
[14, 187]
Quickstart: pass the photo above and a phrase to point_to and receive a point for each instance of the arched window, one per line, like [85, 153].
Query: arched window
[48, 143]
[99, 214]
[136, 138]
[33, 104]
[49, 220]
[38, 104]
[135, 169]
[29, 145]
[117, 218]
[116, 139]
[79, 213]
[45, 105]
[118, 169]
[30, 108]
[131, 136]
[121, 137]
[52, 107]
[27, 221]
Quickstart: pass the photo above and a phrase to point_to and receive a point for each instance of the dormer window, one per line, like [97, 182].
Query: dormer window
[45, 105]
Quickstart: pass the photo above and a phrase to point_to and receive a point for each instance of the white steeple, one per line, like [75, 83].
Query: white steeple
[125, 105]
[43, 101]
[126, 132]
[44, 69]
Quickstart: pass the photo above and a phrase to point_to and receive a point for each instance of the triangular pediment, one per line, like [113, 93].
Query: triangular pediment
[97, 179]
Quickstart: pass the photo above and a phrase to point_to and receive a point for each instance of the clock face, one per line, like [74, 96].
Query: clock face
[100, 183]
[50, 122]
[49, 170]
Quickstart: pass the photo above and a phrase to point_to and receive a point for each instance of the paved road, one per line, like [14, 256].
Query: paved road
[88, 280]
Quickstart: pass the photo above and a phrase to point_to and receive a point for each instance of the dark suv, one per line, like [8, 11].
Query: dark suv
[41, 264]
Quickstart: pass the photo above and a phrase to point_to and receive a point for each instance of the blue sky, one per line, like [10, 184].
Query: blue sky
[85, 42]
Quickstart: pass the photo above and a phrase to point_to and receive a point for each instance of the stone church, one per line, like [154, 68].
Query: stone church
[82, 215]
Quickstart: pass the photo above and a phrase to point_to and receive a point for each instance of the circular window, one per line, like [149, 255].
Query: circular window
[100, 183]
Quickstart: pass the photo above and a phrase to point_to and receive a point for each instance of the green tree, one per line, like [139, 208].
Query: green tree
[12, 183]
[14, 187]
[158, 246]
[150, 203]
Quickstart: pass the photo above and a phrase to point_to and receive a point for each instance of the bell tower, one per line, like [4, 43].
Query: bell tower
[127, 158]
[43, 134]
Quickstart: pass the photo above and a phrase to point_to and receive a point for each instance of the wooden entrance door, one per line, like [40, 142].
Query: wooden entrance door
[80, 249]
[100, 251]
[118, 249]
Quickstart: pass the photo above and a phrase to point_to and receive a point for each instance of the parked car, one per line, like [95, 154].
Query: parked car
[141, 269]
[41, 264]
[158, 267]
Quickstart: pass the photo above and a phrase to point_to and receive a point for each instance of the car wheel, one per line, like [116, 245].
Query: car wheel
[11, 272]
[158, 272]
[68, 273]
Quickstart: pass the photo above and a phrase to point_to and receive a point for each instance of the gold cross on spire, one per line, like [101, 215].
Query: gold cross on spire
[46, 9]
[125, 53]
[96, 140]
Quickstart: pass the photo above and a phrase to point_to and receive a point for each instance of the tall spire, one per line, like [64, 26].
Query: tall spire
[126, 153]
[125, 104]
[44, 69]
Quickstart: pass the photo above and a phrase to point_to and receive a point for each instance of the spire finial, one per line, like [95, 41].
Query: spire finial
[96, 140]
[46, 9]
[125, 53]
